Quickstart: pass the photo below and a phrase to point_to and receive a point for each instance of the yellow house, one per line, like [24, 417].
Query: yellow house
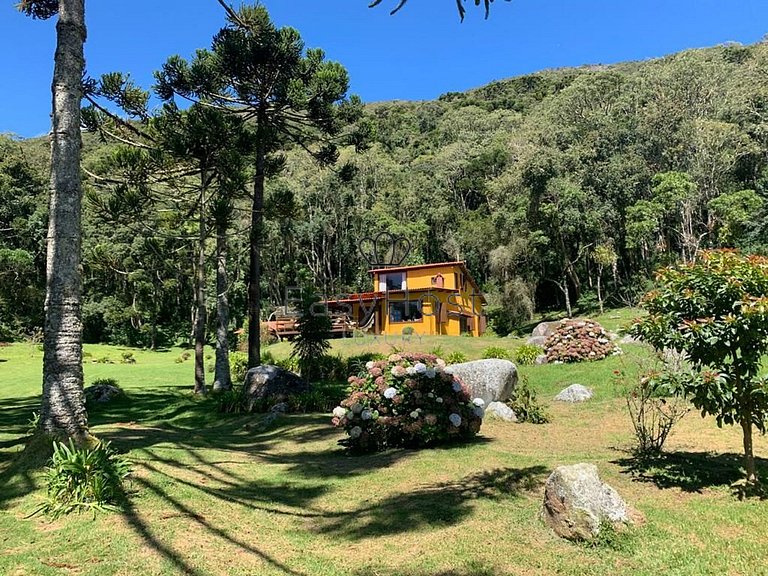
[424, 299]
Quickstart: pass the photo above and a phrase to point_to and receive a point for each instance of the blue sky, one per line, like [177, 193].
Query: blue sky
[422, 52]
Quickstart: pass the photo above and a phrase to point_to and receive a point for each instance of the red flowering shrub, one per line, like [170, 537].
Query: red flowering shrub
[579, 341]
[406, 400]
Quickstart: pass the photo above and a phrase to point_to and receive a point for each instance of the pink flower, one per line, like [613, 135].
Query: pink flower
[430, 419]
[375, 372]
[398, 371]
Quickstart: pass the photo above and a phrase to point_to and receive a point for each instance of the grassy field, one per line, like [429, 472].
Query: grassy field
[223, 495]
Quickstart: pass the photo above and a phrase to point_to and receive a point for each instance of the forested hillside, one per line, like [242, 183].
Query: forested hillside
[576, 182]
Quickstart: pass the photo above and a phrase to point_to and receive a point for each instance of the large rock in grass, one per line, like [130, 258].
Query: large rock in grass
[103, 392]
[272, 383]
[545, 329]
[577, 504]
[500, 411]
[574, 393]
[492, 379]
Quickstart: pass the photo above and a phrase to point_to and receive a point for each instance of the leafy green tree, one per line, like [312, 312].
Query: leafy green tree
[734, 211]
[288, 95]
[63, 404]
[715, 312]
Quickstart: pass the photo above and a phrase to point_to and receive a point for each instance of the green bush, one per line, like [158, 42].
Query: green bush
[526, 354]
[455, 358]
[526, 406]
[322, 398]
[84, 479]
[127, 358]
[408, 331]
[231, 401]
[496, 352]
[238, 366]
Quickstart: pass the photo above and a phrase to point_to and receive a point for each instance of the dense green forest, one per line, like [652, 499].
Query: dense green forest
[559, 189]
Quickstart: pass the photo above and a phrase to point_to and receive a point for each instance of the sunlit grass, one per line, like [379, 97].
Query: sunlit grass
[222, 495]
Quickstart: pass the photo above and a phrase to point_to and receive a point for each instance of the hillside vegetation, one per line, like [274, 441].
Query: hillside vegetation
[576, 182]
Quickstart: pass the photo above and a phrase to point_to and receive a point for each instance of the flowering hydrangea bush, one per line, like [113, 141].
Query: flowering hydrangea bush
[407, 400]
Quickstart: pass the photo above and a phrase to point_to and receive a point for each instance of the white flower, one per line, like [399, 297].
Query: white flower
[415, 414]
[390, 393]
[430, 395]
[455, 419]
[439, 400]
[357, 408]
[355, 432]
[339, 412]
[430, 373]
[479, 411]
[366, 414]
[456, 386]
[369, 364]
[410, 371]
[419, 368]
[478, 402]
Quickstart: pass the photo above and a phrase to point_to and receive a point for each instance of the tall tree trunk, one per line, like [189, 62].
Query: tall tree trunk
[222, 379]
[200, 312]
[599, 288]
[254, 275]
[62, 412]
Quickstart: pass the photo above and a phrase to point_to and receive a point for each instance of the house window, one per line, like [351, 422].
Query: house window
[405, 311]
[394, 281]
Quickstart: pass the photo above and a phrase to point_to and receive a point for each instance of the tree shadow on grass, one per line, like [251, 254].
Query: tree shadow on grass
[690, 471]
[16, 478]
[440, 505]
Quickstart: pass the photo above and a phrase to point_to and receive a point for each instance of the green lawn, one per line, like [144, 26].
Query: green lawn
[214, 495]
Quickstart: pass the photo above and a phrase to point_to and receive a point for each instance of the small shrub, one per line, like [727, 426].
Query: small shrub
[186, 355]
[238, 366]
[127, 358]
[438, 351]
[291, 363]
[525, 404]
[105, 382]
[322, 398]
[406, 400]
[231, 401]
[579, 341]
[455, 357]
[332, 368]
[496, 352]
[408, 331]
[84, 479]
[652, 413]
[526, 354]
[103, 360]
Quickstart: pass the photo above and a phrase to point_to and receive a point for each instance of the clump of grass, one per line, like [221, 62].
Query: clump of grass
[83, 478]
[496, 352]
[455, 358]
[526, 354]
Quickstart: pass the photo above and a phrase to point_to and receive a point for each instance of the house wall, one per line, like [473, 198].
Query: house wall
[442, 306]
